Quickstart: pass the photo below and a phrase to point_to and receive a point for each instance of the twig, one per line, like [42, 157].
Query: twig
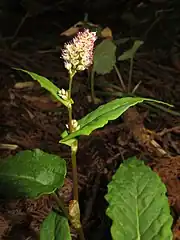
[8, 146]
[165, 131]
[20, 25]
[151, 26]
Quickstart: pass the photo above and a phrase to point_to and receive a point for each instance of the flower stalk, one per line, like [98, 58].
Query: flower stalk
[74, 148]
[70, 106]
[78, 56]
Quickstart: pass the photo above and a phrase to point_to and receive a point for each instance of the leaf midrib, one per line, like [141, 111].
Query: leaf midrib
[137, 216]
[87, 123]
[124, 105]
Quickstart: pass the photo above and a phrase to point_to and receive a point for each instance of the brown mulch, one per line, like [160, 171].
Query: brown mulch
[29, 119]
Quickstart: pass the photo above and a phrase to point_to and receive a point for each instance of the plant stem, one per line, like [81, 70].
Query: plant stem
[70, 107]
[60, 204]
[130, 75]
[81, 234]
[74, 170]
[74, 147]
[93, 96]
[120, 77]
[70, 118]
[136, 87]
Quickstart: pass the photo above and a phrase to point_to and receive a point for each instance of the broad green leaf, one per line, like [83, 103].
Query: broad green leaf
[100, 117]
[129, 54]
[138, 205]
[104, 57]
[55, 227]
[31, 173]
[48, 85]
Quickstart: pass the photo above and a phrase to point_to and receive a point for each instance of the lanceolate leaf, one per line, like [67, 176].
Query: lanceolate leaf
[55, 227]
[138, 205]
[100, 117]
[104, 57]
[31, 174]
[47, 84]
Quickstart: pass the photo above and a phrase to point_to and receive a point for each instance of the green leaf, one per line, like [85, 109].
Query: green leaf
[55, 227]
[138, 205]
[100, 117]
[31, 174]
[104, 57]
[129, 54]
[48, 85]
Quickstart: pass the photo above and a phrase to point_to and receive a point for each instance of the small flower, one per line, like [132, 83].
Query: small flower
[78, 54]
[75, 125]
[63, 94]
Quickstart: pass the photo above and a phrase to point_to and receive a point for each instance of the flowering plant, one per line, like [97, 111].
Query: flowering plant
[44, 173]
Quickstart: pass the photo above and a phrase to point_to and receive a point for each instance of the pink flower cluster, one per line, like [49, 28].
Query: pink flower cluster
[78, 54]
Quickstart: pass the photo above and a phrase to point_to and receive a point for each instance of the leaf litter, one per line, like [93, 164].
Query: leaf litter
[31, 119]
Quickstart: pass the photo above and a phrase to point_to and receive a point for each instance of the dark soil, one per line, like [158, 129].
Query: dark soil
[30, 119]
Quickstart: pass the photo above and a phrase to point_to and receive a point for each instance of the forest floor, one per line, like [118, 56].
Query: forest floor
[29, 118]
